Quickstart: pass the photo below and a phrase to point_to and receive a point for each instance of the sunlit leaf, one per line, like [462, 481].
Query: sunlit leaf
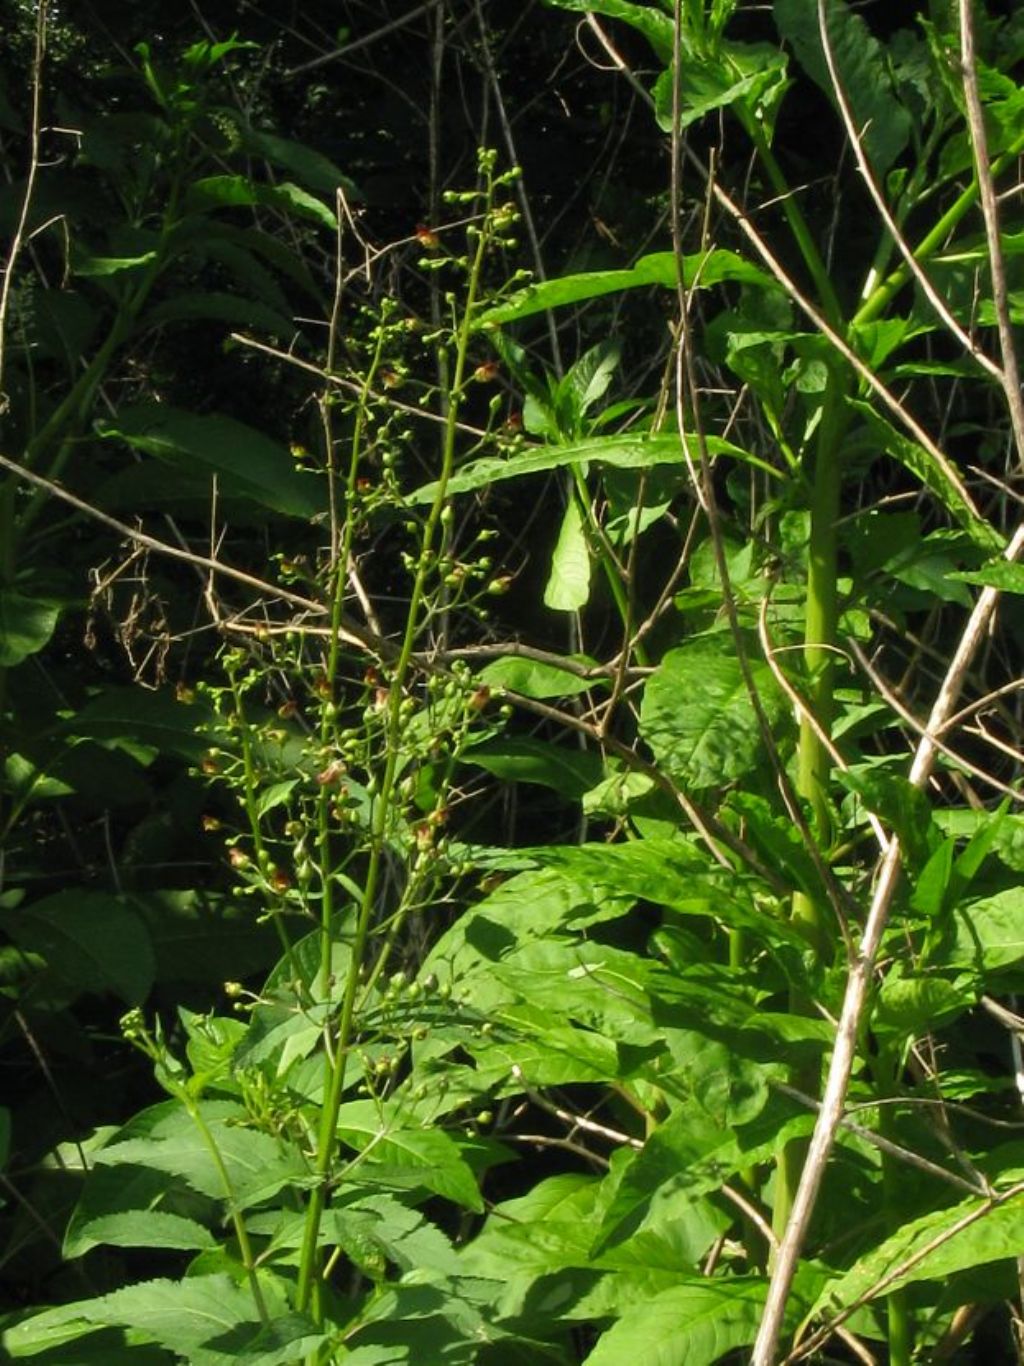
[568, 585]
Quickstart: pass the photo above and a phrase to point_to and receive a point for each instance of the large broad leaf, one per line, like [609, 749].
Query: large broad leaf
[751, 76]
[933, 1248]
[687, 1325]
[166, 1139]
[525, 908]
[701, 270]
[536, 678]
[883, 123]
[544, 1053]
[246, 463]
[26, 624]
[698, 718]
[138, 721]
[692, 1151]
[92, 940]
[990, 932]
[411, 1159]
[235, 191]
[145, 1228]
[309, 167]
[109, 1192]
[631, 450]
[646, 19]
[209, 1320]
[523, 759]
[665, 872]
[568, 585]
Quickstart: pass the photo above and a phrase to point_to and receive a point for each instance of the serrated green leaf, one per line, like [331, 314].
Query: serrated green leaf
[691, 1151]
[698, 718]
[412, 1159]
[256, 1164]
[1006, 575]
[210, 1319]
[687, 1325]
[143, 1228]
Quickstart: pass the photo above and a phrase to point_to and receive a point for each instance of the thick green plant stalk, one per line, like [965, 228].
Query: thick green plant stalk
[336, 1055]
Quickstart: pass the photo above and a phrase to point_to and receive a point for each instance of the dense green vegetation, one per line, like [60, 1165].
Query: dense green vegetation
[510, 684]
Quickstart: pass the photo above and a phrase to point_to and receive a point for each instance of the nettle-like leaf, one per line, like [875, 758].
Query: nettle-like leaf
[117, 1203]
[211, 1320]
[408, 1158]
[698, 718]
[686, 1325]
[166, 1139]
